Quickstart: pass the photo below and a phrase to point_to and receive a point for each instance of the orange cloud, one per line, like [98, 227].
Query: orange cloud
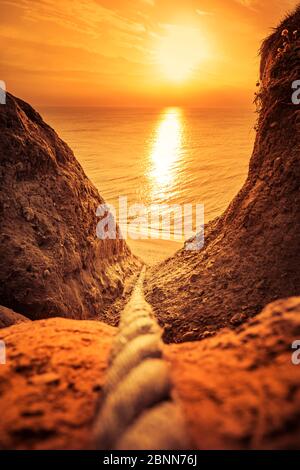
[105, 51]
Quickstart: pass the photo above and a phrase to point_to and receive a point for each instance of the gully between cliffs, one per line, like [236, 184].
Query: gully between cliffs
[138, 410]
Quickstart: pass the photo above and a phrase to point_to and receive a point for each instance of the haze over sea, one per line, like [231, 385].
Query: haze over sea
[169, 156]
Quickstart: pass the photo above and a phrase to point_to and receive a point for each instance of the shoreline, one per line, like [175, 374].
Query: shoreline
[152, 252]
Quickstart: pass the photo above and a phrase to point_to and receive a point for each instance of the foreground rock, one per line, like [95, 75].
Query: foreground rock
[251, 255]
[9, 317]
[51, 263]
[51, 383]
[240, 390]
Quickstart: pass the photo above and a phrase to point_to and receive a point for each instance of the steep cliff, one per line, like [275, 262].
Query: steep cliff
[251, 254]
[51, 262]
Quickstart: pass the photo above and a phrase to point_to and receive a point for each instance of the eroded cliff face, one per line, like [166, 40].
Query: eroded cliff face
[251, 255]
[51, 262]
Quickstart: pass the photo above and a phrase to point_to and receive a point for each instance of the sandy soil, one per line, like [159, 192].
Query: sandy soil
[51, 383]
[240, 390]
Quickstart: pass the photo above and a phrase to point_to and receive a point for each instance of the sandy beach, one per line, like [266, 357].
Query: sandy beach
[153, 251]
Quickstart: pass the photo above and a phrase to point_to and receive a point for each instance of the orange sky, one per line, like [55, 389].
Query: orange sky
[110, 52]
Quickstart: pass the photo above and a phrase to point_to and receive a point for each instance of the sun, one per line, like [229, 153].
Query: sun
[180, 52]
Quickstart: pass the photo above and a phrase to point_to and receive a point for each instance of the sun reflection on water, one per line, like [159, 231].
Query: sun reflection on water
[166, 152]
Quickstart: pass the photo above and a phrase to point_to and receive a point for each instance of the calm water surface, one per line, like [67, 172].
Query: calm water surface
[170, 156]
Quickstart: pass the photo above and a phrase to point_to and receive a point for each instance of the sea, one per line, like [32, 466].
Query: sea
[169, 157]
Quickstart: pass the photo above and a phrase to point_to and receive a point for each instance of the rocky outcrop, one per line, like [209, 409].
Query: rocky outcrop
[51, 262]
[9, 317]
[240, 390]
[251, 255]
[51, 383]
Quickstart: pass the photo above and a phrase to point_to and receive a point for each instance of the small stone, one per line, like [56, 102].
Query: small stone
[28, 214]
[120, 286]
[260, 285]
[47, 379]
[238, 319]
[277, 163]
[194, 278]
[189, 336]
[207, 334]
[158, 292]
[46, 273]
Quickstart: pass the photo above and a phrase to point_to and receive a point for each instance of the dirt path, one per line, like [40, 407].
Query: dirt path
[111, 314]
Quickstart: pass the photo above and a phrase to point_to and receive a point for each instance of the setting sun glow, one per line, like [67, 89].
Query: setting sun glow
[119, 53]
[166, 151]
[180, 52]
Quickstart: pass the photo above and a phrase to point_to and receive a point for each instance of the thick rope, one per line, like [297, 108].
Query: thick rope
[138, 411]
